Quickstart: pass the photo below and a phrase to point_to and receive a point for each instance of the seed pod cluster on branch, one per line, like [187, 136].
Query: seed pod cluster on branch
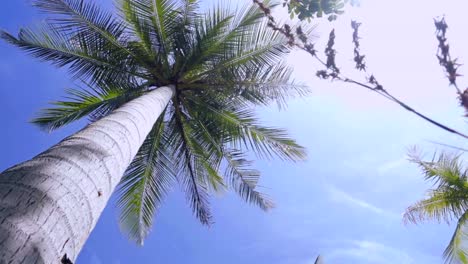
[300, 40]
[445, 60]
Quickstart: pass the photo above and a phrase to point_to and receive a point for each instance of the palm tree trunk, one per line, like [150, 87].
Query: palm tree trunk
[50, 204]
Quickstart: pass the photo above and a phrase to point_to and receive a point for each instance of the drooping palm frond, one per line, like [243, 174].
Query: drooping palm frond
[145, 184]
[448, 201]
[190, 176]
[243, 130]
[86, 60]
[261, 55]
[78, 17]
[90, 22]
[244, 180]
[442, 204]
[237, 174]
[259, 86]
[222, 64]
[91, 102]
[455, 251]
[205, 156]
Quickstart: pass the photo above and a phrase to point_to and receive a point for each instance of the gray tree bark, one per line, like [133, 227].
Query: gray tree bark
[50, 204]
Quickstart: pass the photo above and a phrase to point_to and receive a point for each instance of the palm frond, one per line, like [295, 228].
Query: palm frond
[93, 102]
[191, 178]
[244, 180]
[141, 26]
[247, 41]
[273, 85]
[190, 12]
[204, 153]
[86, 60]
[448, 201]
[156, 22]
[243, 130]
[219, 32]
[442, 204]
[454, 251]
[162, 19]
[207, 34]
[444, 169]
[163, 16]
[238, 176]
[145, 184]
[92, 23]
[80, 16]
[257, 86]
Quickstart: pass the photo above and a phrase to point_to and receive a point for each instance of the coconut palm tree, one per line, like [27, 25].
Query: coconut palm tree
[446, 202]
[170, 93]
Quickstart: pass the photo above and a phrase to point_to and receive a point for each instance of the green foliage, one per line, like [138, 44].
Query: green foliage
[309, 9]
[94, 102]
[222, 64]
[447, 201]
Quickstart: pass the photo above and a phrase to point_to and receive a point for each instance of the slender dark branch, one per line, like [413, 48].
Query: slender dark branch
[407, 107]
[334, 73]
[449, 146]
[387, 95]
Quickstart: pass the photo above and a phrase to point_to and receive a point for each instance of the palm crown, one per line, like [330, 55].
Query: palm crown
[220, 64]
[448, 201]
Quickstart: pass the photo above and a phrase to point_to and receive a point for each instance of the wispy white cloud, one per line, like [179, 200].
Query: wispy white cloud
[340, 196]
[392, 165]
[363, 162]
[365, 251]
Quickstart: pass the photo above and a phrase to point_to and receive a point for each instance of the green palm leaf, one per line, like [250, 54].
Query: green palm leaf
[140, 25]
[190, 175]
[454, 250]
[448, 201]
[155, 22]
[91, 102]
[240, 178]
[244, 180]
[86, 18]
[86, 59]
[145, 184]
[244, 130]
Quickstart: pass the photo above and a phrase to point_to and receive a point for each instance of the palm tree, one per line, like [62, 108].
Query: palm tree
[448, 201]
[170, 93]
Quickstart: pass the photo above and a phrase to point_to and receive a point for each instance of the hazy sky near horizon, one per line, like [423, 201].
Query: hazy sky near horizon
[345, 202]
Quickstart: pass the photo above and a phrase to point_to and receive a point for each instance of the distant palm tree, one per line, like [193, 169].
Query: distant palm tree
[448, 201]
[170, 92]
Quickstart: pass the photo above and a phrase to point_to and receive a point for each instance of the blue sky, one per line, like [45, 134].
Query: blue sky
[345, 202]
